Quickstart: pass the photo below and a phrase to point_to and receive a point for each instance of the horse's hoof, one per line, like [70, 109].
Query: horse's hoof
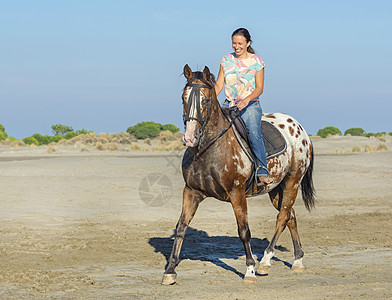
[297, 265]
[249, 279]
[264, 269]
[169, 279]
[297, 268]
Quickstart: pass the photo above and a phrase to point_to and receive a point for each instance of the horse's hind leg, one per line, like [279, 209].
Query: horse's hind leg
[191, 201]
[239, 204]
[298, 253]
[283, 198]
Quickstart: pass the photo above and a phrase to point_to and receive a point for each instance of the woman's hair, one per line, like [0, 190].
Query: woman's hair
[245, 33]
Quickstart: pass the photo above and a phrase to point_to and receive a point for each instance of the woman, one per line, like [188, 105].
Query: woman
[242, 74]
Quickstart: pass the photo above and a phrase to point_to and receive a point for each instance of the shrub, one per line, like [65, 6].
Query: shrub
[145, 130]
[369, 134]
[3, 136]
[382, 147]
[329, 130]
[355, 131]
[56, 138]
[2, 129]
[171, 128]
[70, 135]
[150, 129]
[356, 149]
[42, 139]
[30, 141]
[378, 134]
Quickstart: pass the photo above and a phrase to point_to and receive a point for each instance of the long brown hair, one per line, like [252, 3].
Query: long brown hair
[245, 33]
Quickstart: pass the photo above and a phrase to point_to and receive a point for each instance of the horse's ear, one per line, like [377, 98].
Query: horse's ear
[207, 74]
[187, 72]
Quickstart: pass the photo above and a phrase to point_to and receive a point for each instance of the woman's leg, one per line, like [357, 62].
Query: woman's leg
[252, 119]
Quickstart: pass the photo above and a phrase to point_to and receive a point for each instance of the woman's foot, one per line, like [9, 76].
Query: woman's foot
[264, 180]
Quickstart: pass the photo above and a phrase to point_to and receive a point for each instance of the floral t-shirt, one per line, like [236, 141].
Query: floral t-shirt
[240, 75]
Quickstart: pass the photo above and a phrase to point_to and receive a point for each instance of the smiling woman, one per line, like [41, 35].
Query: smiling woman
[242, 74]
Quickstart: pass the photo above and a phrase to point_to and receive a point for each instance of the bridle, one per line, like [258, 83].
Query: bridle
[194, 102]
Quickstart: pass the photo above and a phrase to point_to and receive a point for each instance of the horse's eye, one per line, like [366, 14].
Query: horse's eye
[205, 101]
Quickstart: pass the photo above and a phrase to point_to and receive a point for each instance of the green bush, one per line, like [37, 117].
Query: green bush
[355, 131]
[390, 133]
[42, 139]
[378, 134]
[171, 128]
[3, 136]
[329, 130]
[70, 135]
[150, 129]
[30, 140]
[82, 131]
[145, 130]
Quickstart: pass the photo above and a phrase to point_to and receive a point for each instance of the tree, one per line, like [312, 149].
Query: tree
[3, 134]
[59, 129]
[329, 130]
[355, 131]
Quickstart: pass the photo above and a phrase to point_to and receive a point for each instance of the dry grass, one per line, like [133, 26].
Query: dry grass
[370, 149]
[51, 149]
[382, 147]
[166, 135]
[173, 146]
[178, 135]
[356, 149]
[135, 147]
[113, 147]
[99, 146]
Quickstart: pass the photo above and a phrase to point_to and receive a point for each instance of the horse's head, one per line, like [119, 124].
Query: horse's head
[197, 101]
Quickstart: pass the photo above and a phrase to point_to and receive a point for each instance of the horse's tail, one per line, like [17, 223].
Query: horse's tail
[307, 187]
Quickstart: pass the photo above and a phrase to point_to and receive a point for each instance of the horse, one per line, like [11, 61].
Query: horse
[215, 165]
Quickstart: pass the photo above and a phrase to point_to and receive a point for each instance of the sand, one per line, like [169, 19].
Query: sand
[94, 226]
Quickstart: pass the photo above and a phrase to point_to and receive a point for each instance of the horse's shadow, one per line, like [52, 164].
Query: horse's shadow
[198, 245]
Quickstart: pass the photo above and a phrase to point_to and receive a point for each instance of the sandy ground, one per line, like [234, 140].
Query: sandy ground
[99, 225]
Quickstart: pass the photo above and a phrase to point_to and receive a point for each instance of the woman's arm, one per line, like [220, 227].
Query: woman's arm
[220, 81]
[256, 93]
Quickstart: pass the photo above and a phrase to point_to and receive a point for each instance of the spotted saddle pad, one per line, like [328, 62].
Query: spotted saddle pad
[274, 142]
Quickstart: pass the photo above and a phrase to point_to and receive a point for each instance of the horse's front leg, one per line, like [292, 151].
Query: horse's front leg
[190, 203]
[238, 201]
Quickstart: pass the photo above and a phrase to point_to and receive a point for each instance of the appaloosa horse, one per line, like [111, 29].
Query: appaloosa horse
[215, 165]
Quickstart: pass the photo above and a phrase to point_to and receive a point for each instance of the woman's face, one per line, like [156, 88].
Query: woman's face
[240, 45]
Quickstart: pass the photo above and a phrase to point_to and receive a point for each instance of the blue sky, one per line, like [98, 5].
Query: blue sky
[107, 65]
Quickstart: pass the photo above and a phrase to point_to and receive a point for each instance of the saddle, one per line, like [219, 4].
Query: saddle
[275, 143]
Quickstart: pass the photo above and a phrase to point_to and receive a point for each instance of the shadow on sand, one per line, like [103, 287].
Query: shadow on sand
[198, 245]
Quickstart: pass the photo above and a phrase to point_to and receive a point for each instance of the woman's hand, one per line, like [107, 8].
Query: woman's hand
[242, 103]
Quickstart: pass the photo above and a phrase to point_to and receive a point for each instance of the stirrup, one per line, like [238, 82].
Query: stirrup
[260, 184]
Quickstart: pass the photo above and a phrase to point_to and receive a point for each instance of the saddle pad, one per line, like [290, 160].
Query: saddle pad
[274, 142]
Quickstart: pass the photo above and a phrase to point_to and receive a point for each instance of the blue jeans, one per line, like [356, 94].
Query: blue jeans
[252, 119]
